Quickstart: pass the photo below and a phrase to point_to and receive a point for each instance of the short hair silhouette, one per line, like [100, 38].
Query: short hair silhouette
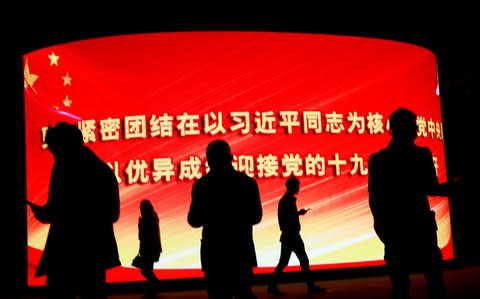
[219, 154]
[226, 204]
[63, 136]
[81, 214]
[292, 184]
[401, 176]
[403, 123]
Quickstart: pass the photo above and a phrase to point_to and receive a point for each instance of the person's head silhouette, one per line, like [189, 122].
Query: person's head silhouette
[146, 208]
[219, 156]
[63, 140]
[403, 125]
[293, 185]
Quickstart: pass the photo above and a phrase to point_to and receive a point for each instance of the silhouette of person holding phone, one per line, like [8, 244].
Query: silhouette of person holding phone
[401, 177]
[150, 245]
[226, 203]
[289, 221]
[83, 203]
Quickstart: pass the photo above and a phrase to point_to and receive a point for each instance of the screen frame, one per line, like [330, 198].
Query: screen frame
[344, 271]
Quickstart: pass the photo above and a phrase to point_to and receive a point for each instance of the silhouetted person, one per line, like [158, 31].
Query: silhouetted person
[226, 203]
[150, 244]
[401, 177]
[83, 202]
[289, 221]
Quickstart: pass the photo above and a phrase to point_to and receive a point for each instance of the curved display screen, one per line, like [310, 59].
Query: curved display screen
[312, 106]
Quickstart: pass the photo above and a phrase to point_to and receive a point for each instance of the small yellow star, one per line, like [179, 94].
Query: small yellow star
[67, 102]
[53, 59]
[29, 78]
[67, 80]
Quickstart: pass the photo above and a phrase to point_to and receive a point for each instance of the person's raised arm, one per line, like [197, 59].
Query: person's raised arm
[435, 188]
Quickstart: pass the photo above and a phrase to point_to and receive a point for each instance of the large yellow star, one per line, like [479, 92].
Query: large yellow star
[53, 59]
[28, 78]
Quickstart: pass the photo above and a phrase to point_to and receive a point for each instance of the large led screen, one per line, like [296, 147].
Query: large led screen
[305, 105]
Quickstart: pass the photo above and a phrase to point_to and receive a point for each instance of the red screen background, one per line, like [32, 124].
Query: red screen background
[281, 82]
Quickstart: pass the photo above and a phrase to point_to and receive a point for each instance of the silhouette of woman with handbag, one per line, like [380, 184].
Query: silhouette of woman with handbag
[150, 245]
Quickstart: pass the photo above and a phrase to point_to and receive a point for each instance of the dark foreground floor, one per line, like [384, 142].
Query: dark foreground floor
[462, 282]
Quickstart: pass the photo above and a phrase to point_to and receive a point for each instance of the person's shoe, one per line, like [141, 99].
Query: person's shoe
[315, 290]
[274, 291]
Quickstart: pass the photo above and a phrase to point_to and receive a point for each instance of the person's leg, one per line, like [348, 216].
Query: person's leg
[93, 284]
[435, 284]
[299, 250]
[147, 272]
[218, 284]
[57, 286]
[398, 271]
[433, 273]
[242, 283]
[285, 253]
[400, 284]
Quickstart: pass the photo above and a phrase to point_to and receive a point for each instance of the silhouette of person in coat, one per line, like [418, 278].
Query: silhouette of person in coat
[83, 203]
[289, 221]
[150, 244]
[226, 203]
[401, 177]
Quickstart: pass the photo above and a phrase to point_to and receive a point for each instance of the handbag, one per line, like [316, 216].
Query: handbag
[137, 261]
